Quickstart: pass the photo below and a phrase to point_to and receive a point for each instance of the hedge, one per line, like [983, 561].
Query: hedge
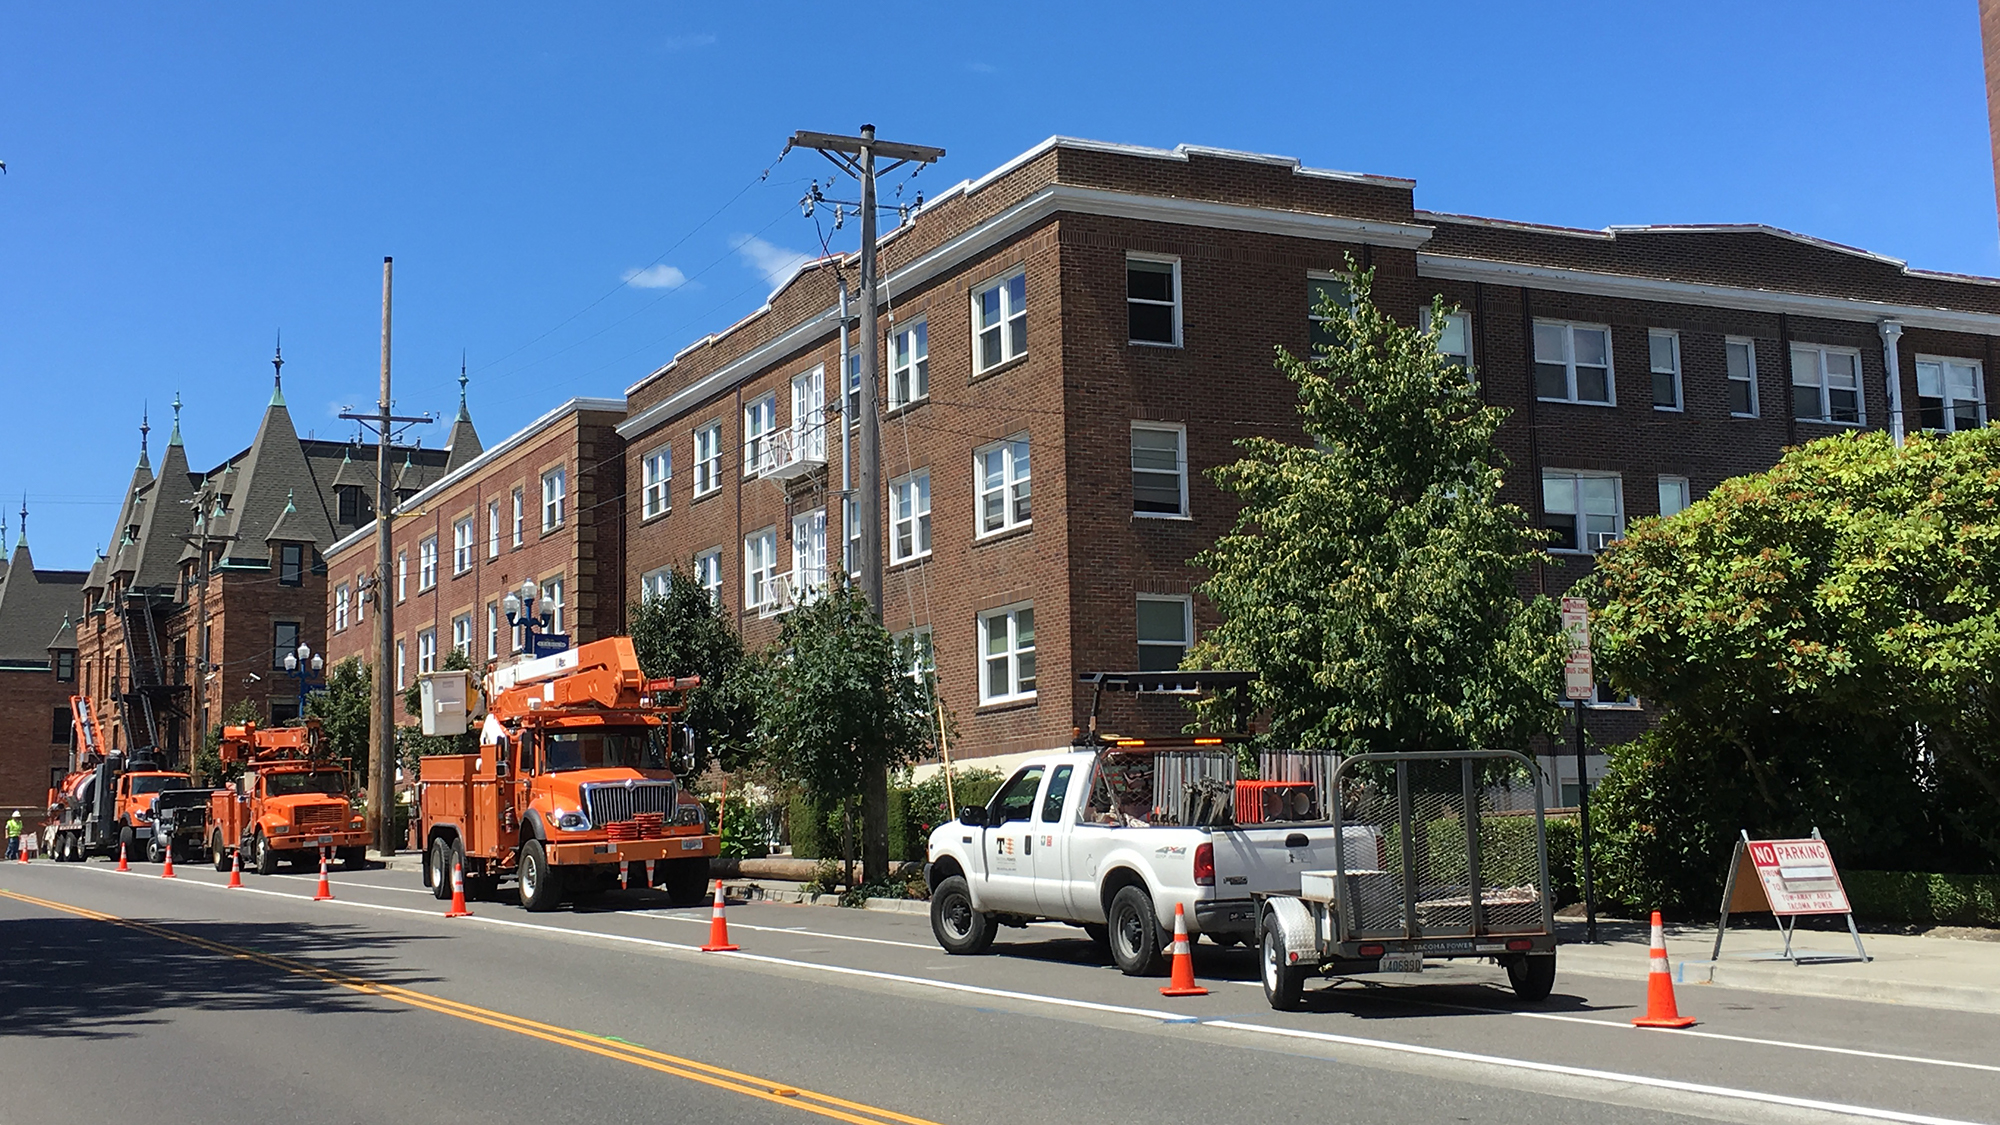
[1911, 896]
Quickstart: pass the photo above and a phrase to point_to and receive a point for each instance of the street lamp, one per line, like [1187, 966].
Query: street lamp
[521, 612]
[304, 666]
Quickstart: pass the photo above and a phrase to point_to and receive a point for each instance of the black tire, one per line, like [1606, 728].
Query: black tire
[218, 854]
[353, 859]
[1100, 937]
[440, 867]
[1137, 946]
[686, 881]
[156, 851]
[1284, 983]
[1532, 977]
[264, 855]
[960, 930]
[128, 846]
[541, 882]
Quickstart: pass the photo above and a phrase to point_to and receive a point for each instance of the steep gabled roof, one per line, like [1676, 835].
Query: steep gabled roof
[165, 519]
[130, 514]
[33, 607]
[271, 475]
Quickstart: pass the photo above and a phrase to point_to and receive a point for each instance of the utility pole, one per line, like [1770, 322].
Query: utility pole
[856, 156]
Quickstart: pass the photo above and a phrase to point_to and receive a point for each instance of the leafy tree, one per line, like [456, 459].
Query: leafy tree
[343, 711]
[683, 633]
[1370, 578]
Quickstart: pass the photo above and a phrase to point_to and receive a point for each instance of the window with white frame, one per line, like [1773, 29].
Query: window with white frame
[461, 634]
[1166, 629]
[493, 530]
[555, 498]
[1741, 362]
[364, 588]
[427, 563]
[553, 605]
[708, 572]
[909, 365]
[809, 555]
[910, 517]
[1951, 394]
[402, 666]
[656, 474]
[1153, 300]
[402, 575]
[1007, 654]
[708, 459]
[809, 415]
[850, 522]
[427, 650]
[760, 568]
[461, 546]
[759, 419]
[492, 630]
[854, 388]
[1585, 510]
[917, 643]
[1826, 384]
[1573, 363]
[1001, 471]
[1000, 323]
[1454, 337]
[1674, 495]
[520, 505]
[1664, 346]
[1322, 288]
[1159, 469]
[654, 583]
[340, 607]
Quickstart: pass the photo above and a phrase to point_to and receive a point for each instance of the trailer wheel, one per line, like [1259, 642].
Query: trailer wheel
[266, 855]
[1284, 983]
[216, 852]
[541, 883]
[959, 928]
[1135, 934]
[1532, 977]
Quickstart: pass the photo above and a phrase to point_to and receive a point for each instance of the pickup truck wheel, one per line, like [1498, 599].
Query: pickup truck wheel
[267, 856]
[1284, 983]
[1135, 934]
[216, 852]
[959, 929]
[1532, 977]
[541, 883]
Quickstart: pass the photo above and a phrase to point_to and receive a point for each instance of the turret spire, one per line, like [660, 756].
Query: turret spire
[278, 373]
[175, 438]
[463, 414]
[145, 427]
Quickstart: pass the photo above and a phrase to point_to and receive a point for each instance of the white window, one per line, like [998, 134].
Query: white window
[708, 572]
[760, 568]
[363, 590]
[1951, 394]
[1674, 495]
[657, 472]
[853, 388]
[1454, 337]
[427, 650]
[1826, 384]
[1007, 653]
[492, 630]
[1573, 363]
[519, 507]
[910, 517]
[1000, 322]
[1585, 510]
[402, 575]
[1002, 474]
[1159, 470]
[1320, 289]
[759, 418]
[1166, 628]
[461, 634]
[493, 530]
[1742, 364]
[909, 365]
[922, 650]
[809, 415]
[850, 522]
[553, 606]
[427, 563]
[1153, 300]
[1665, 348]
[340, 607]
[708, 459]
[555, 494]
[402, 666]
[653, 584]
[809, 555]
[461, 546]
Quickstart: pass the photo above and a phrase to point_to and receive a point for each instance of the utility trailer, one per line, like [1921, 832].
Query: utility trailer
[1452, 878]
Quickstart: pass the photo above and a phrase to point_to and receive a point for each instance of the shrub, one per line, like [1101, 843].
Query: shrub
[928, 808]
[1908, 896]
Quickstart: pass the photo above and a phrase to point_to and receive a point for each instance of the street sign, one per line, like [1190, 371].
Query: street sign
[548, 644]
[1798, 877]
[1579, 678]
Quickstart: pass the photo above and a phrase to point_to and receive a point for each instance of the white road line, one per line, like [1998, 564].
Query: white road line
[653, 914]
[1172, 1017]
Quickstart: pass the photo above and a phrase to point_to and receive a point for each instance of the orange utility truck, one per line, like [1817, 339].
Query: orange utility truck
[290, 802]
[107, 799]
[573, 781]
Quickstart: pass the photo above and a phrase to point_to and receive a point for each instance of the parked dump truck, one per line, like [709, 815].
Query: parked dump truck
[108, 799]
[573, 781]
[290, 803]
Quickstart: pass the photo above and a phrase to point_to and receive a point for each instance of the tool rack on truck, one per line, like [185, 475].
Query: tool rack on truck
[291, 802]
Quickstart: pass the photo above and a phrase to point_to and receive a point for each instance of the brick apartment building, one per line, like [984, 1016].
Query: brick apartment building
[544, 504]
[37, 677]
[1073, 340]
[219, 574]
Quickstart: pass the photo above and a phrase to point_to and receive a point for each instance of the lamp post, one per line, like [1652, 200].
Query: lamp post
[520, 608]
[305, 666]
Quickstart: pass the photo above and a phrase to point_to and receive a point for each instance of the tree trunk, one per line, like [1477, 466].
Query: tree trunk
[875, 823]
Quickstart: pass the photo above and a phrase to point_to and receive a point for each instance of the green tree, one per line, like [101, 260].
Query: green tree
[343, 711]
[1370, 577]
[838, 701]
[683, 633]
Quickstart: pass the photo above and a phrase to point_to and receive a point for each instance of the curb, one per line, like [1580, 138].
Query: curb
[1783, 979]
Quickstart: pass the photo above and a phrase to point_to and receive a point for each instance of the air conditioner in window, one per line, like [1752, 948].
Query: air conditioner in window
[1602, 539]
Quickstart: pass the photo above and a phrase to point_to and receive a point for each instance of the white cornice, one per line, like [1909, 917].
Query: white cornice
[1691, 293]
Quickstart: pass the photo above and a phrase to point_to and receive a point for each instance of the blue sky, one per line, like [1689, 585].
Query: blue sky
[184, 181]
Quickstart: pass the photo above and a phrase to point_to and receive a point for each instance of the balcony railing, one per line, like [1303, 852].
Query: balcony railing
[794, 452]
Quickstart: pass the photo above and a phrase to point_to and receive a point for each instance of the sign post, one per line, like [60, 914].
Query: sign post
[1788, 879]
[1579, 684]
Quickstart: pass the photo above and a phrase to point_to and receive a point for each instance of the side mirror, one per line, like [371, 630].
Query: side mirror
[973, 816]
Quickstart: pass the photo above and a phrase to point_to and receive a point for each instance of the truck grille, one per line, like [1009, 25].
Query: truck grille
[322, 816]
[617, 802]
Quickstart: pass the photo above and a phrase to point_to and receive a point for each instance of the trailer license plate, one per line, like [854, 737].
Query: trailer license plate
[692, 844]
[1402, 962]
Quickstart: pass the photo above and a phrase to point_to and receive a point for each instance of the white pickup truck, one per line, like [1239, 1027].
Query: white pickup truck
[1103, 838]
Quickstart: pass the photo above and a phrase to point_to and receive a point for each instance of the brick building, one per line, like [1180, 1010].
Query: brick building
[37, 677]
[1073, 340]
[544, 504]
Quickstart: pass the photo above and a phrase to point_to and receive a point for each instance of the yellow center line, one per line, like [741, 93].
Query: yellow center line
[825, 1105]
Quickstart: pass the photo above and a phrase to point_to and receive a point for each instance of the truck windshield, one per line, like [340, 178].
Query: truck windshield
[326, 782]
[605, 748]
[158, 782]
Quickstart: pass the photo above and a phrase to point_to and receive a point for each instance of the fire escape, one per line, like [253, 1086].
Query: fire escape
[149, 707]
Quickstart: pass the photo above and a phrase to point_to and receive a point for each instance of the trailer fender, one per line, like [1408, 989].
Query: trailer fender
[1294, 924]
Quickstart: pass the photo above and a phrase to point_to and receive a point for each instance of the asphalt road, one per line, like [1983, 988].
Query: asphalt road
[130, 997]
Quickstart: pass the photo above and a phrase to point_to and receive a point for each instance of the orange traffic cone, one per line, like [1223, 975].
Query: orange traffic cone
[122, 865]
[458, 909]
[325, 891]
[236, 871]
[1182, 983]
[718, 930]
[625, 876]
[1660, 1010]
[167, 872]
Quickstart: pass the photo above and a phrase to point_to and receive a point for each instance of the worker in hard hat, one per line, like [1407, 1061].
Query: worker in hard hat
[14, 829]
